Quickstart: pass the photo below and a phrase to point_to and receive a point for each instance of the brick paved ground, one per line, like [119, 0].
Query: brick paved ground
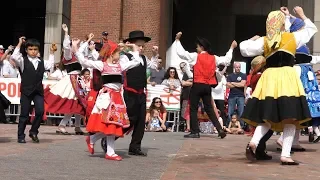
[169, 157]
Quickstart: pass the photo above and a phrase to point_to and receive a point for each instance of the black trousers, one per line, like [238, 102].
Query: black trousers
[25, 102]
[221, 107]
[202, 91]
[2, 114]
[136, 109]
[263, 141]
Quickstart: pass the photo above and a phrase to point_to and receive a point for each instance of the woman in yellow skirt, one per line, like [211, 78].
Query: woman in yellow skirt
[278, 101]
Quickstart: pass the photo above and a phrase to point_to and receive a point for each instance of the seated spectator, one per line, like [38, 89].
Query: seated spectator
[156, 75]
[171, 79]
[85, 75]
[162, 117]
[234, 125]
[155, 121]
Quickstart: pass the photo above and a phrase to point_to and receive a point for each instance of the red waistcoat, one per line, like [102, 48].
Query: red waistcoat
[204, 71]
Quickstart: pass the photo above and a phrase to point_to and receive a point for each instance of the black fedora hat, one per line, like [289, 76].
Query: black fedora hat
[136, 35]
[204, 43]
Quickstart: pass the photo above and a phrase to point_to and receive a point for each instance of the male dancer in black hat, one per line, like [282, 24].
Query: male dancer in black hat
[203, 79]
[134, 86]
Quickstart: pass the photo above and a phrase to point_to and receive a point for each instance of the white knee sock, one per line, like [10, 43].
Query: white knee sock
[260, 131]
[288, 136]
[110, 146]
[316, 130]
[296, 138]
[94, 138]
[65, 120]
[310, 129]
[77, 121]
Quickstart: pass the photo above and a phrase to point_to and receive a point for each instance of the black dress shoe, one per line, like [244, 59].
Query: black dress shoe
[21, 141]
[136, 152]
[250, 154]
[298, 149]
[311, 137]
[192, 135]
[262, 156]
[317, 140]
[290, 163]
[34, 138]
[222, 134]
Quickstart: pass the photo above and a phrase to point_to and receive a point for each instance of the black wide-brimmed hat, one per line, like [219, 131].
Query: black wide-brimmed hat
[204, 43]
[137, 35]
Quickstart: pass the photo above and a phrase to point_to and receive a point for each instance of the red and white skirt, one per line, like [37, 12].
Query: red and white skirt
[62, 98]
[109, 114]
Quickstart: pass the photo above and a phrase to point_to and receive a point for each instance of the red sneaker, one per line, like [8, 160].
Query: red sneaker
[90, 149]
[114, 157]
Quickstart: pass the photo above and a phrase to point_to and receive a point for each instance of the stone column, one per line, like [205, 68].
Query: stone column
[309, 9]
[57, 12]
[316, 39]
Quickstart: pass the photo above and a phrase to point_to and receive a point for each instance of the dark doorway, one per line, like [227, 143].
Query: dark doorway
[246, 27]
[217, 23]
[26, 19]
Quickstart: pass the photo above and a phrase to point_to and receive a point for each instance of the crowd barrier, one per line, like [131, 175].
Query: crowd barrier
[10, 87]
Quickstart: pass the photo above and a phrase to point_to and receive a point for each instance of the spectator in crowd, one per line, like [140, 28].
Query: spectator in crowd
[156, 75]
[85, 74]
[58, 72]
[154, 122]
[9, 68]
[186, 83]
[236, 82]
[157, 105]
[153, 63]
[234, 126]
[218, 92]
[1, 50]
[171, 79]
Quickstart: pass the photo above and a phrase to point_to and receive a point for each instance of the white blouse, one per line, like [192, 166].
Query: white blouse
[251, 48]
[192, 57]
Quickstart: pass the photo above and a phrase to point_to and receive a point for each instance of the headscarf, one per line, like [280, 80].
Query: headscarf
[296, 24]
[274, 23]
[107, 50]
[258, 63]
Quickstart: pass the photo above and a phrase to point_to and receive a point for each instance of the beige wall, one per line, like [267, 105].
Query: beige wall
[316, 39]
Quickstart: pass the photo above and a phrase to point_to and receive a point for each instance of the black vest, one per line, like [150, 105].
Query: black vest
[136, 77]
[73, 67]
[31, 79]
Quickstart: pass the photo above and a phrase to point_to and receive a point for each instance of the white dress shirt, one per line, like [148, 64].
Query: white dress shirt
[18, 58]
[125, 64]
[192, 57]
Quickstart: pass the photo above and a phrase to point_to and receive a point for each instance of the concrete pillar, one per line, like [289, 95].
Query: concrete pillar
[316, 39]
[57, 12]
[309, 9]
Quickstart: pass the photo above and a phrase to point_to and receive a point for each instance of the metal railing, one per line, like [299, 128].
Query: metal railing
[14, 110]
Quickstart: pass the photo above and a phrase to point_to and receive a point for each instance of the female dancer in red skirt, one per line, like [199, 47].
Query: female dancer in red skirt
[109, 116]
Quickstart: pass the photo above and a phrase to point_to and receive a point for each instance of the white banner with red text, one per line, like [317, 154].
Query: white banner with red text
[10, 87]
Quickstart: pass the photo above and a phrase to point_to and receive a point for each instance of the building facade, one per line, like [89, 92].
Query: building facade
[161, 19]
